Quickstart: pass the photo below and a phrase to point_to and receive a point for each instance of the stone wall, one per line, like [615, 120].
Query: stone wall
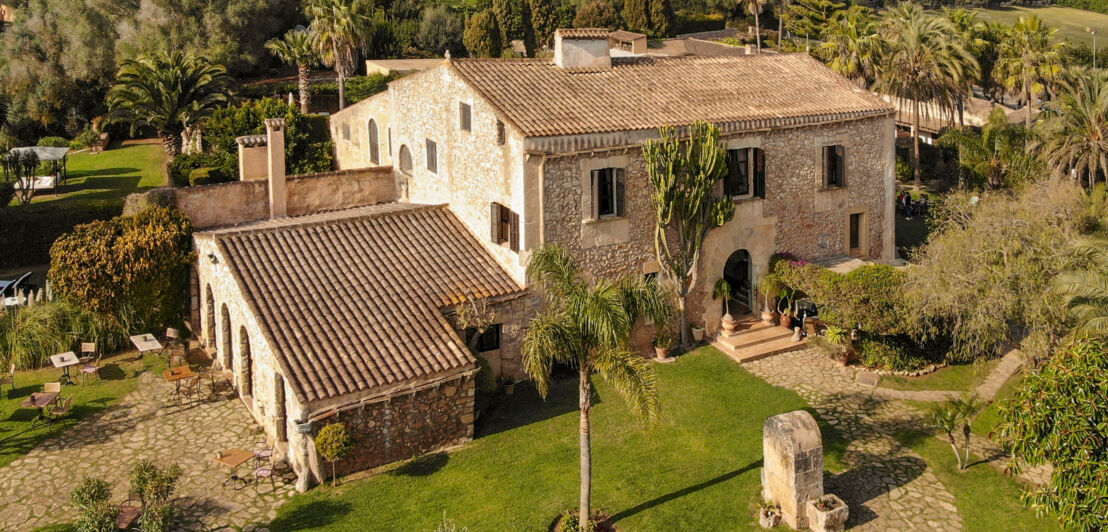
[245, 201]
[513, 316]
[406, 425]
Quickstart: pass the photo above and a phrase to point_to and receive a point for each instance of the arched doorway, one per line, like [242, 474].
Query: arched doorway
[209, 318]
[246, 375]
[374, 144]
[225, 356]
[737, 273]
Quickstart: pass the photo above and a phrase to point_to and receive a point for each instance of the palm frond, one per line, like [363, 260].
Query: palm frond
[633, 377]
[549, 339]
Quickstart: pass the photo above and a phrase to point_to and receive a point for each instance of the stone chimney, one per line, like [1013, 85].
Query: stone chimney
[582, 49]
[275, 144]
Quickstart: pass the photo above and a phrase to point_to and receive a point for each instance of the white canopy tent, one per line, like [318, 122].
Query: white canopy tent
[58, 157]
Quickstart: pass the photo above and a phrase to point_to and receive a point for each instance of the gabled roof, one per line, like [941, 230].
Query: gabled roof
[755, 91]
[352, 300]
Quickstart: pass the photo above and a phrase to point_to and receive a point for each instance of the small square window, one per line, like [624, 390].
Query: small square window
[346, 132]
[464, 116]
[834, 166]
[432, 156]
[489, 340]
[607, 192]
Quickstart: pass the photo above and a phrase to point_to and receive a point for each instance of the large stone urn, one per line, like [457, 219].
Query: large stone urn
[728, 323]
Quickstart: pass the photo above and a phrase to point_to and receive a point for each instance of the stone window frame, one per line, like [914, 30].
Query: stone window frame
[373, 137]
[465, 116]
[863, 233]
[431, 155]
[845, 177]
[588, 206]
[752, 143]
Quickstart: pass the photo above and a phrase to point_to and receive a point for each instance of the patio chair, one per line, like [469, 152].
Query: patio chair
[88, 352]
[91, 369]
[129, 512]
[172, 338]
[8, 379]
[60, 408]
[263, 472]
[189, 389]
[213, 376]
[52, 387]
[263, 454]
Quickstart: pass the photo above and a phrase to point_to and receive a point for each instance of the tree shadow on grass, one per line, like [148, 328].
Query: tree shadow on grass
[315, 514]
[422, 466]
[527, 407]
[685, 491]
[112, 372]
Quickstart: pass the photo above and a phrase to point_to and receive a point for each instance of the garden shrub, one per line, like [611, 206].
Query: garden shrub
[181, 166]
[868, 298]
[87, 138]
[155, 486]
[53, 142]
[7, 192]
[698, 22]
[95, 512]
[899, 353]
[1099, 6]
[134, 263]
[207, 175]
[229, 123]
[333, 443]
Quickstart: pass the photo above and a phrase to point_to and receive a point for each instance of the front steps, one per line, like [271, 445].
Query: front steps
[755, 340]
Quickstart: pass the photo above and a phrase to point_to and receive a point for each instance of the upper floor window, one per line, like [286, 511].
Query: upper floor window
[834, 171]
[374, 144]
[464, 116]
[405, 160]
[432, 156]
[504, 226]
[607, 192]
[746, 172]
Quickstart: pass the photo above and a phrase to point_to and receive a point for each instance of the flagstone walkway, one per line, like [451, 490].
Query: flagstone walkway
[36, 487]
[888, 486]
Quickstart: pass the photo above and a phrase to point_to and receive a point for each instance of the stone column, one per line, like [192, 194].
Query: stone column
[792, 470]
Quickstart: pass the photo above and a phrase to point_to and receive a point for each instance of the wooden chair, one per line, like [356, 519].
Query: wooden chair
[213, 376]
[91, 369]
[129, 512]
[60, 408]
[8, 379]
[88, 352]
[189, 389]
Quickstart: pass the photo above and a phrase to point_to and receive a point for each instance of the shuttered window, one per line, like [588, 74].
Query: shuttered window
[759, 172]
[504, 226]
[500, 135]
[374, 144]
[834, 166]
[608, 190]
[737, 181]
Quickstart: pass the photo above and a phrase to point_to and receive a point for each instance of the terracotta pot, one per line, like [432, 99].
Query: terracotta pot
[768, 316]
[728, 323]
[697, 334]
[661, 353]
[786, 321]
[510, 388]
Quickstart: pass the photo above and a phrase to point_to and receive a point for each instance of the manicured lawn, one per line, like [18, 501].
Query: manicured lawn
[989, 417]
[698, 470]
[118, 373]
[986, 499]
[962, 377]
[1071, 22]
[108, 177]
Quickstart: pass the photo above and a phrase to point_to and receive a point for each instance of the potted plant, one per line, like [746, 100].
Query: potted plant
[509, 385]
[722, 290]
[837, 338]
[662, 343]
[697, 333]
[769, 287]
[769, 515]
[827, 513]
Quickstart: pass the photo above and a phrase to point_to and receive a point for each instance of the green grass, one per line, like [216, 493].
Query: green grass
[17, 437]
[986, 499]
[1071, 22]
[699, 469]
[961, 377]
[989, 417]
[108, 177]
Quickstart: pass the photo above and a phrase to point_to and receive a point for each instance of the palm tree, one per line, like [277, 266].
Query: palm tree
[972, 34]
[1028, 59]
[167, 92]
[782, 8]
[296, 48]
[967, 407]
[947, 418]
[923, 63]
[755, 7]
[587, 326]
[340, 29]
[1085, 288]
[852, 45]
[1074, 126]
[995, 153]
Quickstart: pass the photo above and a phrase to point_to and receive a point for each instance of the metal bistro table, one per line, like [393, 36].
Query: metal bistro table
[65, 361]
[234, 458]
[146, 343]
[41, 401]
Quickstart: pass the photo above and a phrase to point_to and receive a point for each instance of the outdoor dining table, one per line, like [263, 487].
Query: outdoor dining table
[178, 374]
[65, 361]
[146, 343]
[41, 401]
[234, 458]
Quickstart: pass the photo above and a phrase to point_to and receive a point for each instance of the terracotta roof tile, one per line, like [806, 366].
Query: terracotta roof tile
[582, 33]
[351, 299]
[750, 92]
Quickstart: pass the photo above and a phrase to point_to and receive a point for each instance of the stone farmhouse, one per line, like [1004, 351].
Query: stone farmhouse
[335, 296]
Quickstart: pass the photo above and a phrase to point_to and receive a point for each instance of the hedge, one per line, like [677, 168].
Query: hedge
[28, 231]
[696, 23]
[207, 175]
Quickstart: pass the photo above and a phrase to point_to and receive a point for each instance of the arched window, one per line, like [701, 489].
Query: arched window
[405, 160]
[374, 144]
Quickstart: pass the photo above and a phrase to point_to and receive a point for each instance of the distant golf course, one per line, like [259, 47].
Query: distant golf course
[1071, 22]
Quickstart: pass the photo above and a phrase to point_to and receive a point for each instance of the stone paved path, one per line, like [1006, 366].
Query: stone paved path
[36, 487]
[1009, 365]
[888, 486]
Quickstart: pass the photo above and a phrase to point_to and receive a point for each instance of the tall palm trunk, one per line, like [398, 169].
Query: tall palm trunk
[915, 143]
[585, 401]
[1030, 107]
[954, 445]
[780, 28]
[303, 72]
[961, 110]
[757, 30]
[342, 90]
[171, 143]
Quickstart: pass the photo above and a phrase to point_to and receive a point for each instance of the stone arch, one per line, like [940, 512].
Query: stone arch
[739, 274]
[226, 357]
[246, 373]
[374, 143]
[209, 317]
[405, 160]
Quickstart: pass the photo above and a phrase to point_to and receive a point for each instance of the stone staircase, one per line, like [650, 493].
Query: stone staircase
[754, 340]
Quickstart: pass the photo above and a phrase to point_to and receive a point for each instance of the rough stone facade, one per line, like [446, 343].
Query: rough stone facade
[792, 464]
[406, 425]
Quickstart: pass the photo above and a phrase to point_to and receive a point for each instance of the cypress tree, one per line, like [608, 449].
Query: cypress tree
[482, 36]
[636, 15]
[662, 19]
